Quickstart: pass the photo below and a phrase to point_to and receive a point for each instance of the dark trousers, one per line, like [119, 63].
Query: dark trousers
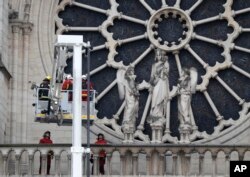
[48, 164]
[101, 166]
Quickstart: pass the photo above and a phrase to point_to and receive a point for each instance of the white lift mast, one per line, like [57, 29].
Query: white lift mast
[77, 150]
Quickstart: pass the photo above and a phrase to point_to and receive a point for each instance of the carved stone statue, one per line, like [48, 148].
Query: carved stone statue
[128, 90]
[160, 92]
[159, 87]
[186, 87]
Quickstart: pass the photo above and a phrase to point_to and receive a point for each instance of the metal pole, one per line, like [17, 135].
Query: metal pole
[88, 111]
[77, 148]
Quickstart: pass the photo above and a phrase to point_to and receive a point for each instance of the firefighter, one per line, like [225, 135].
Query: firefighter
[84, 87]
[43, 93]
[44, 88]
[68, 85]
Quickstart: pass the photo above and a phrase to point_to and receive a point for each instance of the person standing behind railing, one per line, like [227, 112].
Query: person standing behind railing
[102, 154]
[46, 140]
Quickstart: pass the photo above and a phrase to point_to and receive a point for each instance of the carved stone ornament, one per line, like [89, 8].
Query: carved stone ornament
[189, 36]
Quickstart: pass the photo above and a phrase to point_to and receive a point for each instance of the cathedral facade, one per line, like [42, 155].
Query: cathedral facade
[210, 37]
[172, 81]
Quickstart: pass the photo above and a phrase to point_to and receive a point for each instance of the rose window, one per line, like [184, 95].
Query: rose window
[211, 36]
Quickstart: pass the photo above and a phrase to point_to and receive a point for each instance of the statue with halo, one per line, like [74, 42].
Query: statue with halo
[159, 88]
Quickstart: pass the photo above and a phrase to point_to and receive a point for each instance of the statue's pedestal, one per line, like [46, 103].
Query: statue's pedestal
[128, 131]
[185, 132]
[157, 131]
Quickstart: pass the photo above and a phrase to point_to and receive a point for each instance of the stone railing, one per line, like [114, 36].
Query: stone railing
[122, 160]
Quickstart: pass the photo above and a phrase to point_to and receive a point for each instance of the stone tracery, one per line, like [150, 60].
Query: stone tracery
[174, 47]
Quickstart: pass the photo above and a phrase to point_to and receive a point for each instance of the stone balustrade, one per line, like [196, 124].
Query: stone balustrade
[122, 160]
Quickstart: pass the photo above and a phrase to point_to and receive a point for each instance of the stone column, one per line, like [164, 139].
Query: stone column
[156, 132]
[148, 163]
[69, 164]
[96, 164]
[241, 157]
[17, 164]
[57, 165]
[44, 165]
[162, 165]
[108, 163]
[27, 28]
[128, 131]
[15, 78]
[167, 128]
[5, 170]
[227, 165]
[135, 163]
[201, 164]
[153, 136]
[159, 134]
[214, 156]
[174, 167]
[122, 165]
[128, 162]
[31, 165]
[185, 131]
[183, 163]
[187, 164]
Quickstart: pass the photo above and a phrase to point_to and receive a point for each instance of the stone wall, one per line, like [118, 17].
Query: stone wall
[31, 38]
[4, 31]
[4, 73]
